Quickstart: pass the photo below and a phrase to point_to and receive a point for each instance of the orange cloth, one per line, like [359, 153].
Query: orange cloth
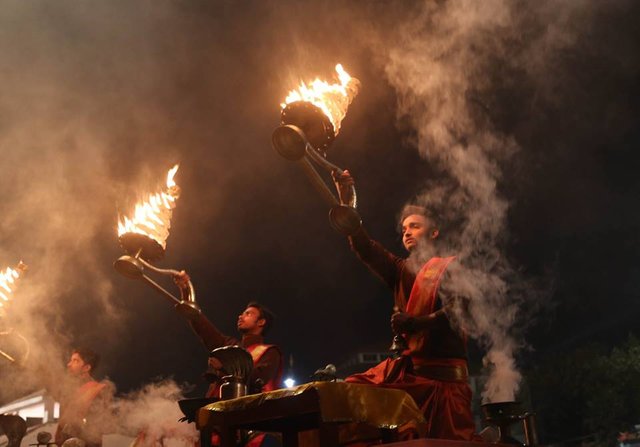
[422, 301]
[446, 404]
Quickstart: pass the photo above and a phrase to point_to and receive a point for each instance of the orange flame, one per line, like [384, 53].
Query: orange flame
[332, 99]
[8, 283]
[152, 217]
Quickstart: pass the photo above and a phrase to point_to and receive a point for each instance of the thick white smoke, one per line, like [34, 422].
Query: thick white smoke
[152, 415]
[447, 63]
[62, 184]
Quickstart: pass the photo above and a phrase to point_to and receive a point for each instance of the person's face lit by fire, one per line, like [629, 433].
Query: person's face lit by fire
[77, 367]
[416, 229]
[250, 321]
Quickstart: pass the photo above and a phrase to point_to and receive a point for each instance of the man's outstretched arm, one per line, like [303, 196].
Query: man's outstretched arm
[378, 259]
[208, 333]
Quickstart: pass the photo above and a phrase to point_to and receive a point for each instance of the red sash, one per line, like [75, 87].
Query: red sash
[422, 299]
[257, 351]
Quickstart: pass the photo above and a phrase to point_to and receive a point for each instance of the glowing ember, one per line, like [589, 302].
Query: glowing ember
[8, 282]
[332, 99]
[152, 217]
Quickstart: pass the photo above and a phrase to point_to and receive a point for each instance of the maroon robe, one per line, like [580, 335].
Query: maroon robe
[434, 369]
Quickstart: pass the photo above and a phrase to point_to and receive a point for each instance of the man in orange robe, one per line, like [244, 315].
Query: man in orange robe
[433, 370]
[85, 404]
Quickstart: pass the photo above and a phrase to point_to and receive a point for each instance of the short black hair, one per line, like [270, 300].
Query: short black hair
[265, 313]
[88, 356]
[412, 209]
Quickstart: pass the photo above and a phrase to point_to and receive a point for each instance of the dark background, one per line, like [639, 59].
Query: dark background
[100, 100]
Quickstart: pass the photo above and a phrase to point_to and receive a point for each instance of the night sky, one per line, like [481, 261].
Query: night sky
[100, 99]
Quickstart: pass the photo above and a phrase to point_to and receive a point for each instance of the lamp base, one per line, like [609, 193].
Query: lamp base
[314, 123]
[345, 219]
[137, 244]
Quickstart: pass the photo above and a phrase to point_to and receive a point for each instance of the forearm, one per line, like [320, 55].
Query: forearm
[210, 336]
[378, 259]
[361, 243]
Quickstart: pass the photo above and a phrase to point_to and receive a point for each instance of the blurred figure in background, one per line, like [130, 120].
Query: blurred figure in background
[85, 404]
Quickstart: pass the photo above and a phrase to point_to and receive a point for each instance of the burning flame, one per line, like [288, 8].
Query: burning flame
[152, 217]
[8, 282]
[332, 99]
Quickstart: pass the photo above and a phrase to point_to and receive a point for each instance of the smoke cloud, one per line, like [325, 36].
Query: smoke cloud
[152, 414]
[64, 180]
[456, 66]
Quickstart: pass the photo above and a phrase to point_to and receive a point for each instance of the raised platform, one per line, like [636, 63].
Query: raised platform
[322, 406]
[445, 443]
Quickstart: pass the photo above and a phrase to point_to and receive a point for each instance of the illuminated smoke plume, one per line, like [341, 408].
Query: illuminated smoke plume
[152, 413]
[447, 67]
[57, 201]
[61, 193]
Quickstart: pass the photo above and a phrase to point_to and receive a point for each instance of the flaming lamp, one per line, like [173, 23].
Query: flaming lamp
[310, 121]
[143, 236]
[8, 283]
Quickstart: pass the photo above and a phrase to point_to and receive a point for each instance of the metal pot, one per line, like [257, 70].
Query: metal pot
[502, 415]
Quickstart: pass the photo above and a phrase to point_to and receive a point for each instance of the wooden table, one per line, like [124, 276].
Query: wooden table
[447, 443]
[319, 405]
